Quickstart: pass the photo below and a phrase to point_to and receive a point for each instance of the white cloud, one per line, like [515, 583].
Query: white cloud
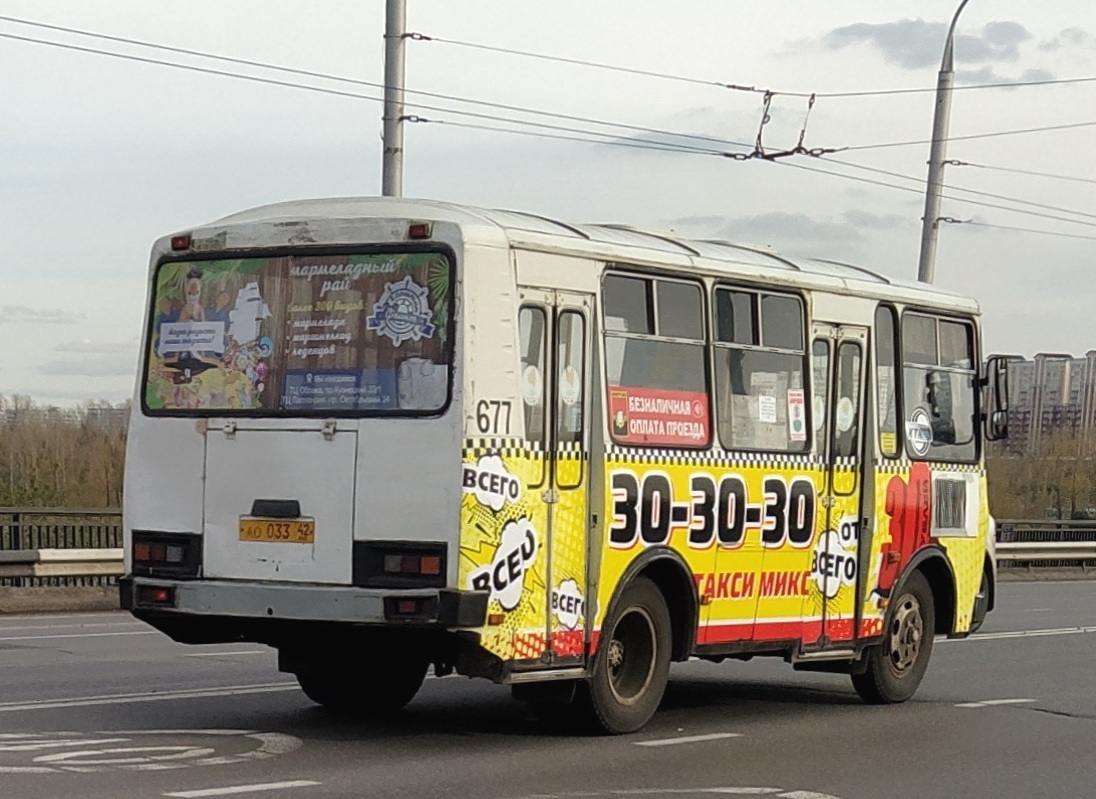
[917, 43]
[23, 314]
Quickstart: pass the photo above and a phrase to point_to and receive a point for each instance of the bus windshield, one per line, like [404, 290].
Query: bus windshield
[352, 334]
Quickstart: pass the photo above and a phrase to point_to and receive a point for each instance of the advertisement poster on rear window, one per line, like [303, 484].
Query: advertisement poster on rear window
[338, 333]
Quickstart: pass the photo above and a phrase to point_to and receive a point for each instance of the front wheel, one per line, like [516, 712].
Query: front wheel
[981, 603]
[632, 664]
[896, 666]
[376, 687]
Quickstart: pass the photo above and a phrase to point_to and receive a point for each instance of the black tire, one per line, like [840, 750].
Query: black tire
[374, 688]
[981, 603]
[632, 664]
[896, 666]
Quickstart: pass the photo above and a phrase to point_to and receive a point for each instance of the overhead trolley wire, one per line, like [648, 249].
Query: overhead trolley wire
[992, 135]
[324, 76]
[581, 135]
[1021, 229]
[1034, 173]
[952, 187]
[733, 86]
[436, 95]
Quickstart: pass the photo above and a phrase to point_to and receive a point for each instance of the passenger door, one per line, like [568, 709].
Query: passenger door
[839, 354]
[563, 375]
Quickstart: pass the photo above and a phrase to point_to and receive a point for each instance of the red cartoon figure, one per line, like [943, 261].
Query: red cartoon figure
[909, 507]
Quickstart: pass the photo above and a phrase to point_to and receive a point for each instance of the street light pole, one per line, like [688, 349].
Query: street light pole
[395, 29]
[930, 223]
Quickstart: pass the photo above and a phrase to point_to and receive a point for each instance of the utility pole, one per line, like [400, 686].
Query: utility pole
[930, 223]
[395, 41]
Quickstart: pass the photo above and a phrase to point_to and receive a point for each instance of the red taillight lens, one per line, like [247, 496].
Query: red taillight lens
[142, 553]
[430, 564]
[418, 230]
[153, 595]
[181, 242]
[408, 607]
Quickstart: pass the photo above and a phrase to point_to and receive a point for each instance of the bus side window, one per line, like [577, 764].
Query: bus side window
[846, 439]
[886, 378]
[655, 357]
[820, 387]
[938, 388]
[572, 369]
[532, 326]
[760, 363]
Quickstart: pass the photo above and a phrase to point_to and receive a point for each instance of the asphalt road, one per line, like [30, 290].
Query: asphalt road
[97, 705]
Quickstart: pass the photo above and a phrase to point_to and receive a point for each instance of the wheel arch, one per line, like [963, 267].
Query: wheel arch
[933, 563]
[674, 579]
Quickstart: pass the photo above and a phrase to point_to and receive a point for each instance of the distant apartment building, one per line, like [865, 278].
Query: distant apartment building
[1051, 394]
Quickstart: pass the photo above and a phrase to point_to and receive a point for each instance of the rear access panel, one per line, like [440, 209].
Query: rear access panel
[279, 505]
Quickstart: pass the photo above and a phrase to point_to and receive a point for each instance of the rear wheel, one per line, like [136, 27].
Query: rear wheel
[371, 688]
[896, 666]
[632, 664]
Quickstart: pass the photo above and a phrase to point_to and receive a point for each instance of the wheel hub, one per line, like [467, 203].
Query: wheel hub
[907, 630]
[616, 654]
[630, 656]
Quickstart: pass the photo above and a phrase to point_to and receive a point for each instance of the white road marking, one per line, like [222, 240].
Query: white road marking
[125, 699]
[224, 654]
[83, 625]
[990, 702]
[77, 635]
[689, 739]
[127, 755]
[1022, 634]
[35, 745]
[780, 793]
[141, 751]
[1037, 610]
[238, 789]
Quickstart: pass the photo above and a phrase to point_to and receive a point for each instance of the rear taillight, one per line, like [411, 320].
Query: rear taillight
[428, 565]
[155, 595]
[410, 608]
[399, 564]
[166, 554]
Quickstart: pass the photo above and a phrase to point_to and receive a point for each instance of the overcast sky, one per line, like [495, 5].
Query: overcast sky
[99, 156]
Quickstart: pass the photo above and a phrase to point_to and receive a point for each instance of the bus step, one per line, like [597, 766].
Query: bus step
[544, 676]
[824, 654]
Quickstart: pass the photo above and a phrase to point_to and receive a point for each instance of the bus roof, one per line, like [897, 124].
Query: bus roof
[606, 241]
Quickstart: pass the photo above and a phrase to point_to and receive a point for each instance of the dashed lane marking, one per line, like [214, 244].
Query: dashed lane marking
[688, 793]
[15, 628]
[238, 789]
[689, 739]
[992, 702]
[78, 635]
[125, 699]
[1023, 634]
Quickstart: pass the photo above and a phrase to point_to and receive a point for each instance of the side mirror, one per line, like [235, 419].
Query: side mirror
[995, 398]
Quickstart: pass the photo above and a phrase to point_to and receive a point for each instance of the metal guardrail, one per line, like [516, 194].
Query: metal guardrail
[30, 530]
[106, 562]
[76, 547]
[1046, 543]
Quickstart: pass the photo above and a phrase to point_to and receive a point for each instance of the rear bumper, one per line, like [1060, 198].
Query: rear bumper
[436, 607]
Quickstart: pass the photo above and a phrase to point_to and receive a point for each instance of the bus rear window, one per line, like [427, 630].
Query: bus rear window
[300, 335]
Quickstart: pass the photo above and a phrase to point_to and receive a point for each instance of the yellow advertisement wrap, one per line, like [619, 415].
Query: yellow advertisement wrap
[529, 554]
[780, 548]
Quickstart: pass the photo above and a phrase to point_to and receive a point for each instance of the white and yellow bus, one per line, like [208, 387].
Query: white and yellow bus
[380, 435]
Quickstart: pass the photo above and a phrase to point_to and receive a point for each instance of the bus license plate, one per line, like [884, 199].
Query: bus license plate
[278, 531]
